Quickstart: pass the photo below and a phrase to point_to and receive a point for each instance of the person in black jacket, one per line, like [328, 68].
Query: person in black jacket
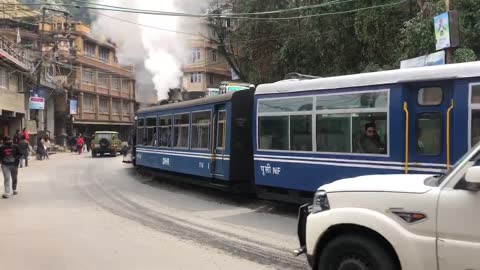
[16, 137]
[24, 150]
[10, 158]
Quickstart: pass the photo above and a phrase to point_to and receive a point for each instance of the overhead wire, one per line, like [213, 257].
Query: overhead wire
[179, 14]
[225, 14]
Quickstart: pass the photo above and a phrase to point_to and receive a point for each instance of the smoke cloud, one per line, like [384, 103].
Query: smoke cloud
[157, 55]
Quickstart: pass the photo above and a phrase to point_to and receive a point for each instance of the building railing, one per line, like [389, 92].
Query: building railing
[129, 68]
[22, 55]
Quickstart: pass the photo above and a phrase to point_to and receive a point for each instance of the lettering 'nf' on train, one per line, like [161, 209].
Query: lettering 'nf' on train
[285, 139]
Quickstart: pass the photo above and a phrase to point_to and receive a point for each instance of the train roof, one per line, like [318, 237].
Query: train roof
[451, 71]
[190, 103]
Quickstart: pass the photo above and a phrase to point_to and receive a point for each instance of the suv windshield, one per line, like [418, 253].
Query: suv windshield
[437, 180]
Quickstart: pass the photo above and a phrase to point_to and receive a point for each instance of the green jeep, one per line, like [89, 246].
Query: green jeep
[106, 142]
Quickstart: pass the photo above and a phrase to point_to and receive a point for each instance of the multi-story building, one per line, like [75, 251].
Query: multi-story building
[204, 67]
[14, 64]
[103, 89]
[78, 69]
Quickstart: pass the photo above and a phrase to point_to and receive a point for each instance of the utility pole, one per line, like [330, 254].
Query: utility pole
[40, 70]
[42, 117]
[448, 52]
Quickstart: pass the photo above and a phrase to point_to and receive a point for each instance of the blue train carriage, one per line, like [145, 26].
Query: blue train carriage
[206, 141]
[312, 132]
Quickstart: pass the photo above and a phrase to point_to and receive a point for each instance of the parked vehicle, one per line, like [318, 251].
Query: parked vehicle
[290, 137]
[106, 142]
[396, 221]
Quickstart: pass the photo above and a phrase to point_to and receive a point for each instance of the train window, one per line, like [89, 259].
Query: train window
[222, 117]
[273, 131]
[301, 133]
[201, 126]
[297, 104]
[369, 133]
[333, 133]
[140, 132]
[181, 130]
[430, 96]
[475, 129]
[165, 131]
[151, 132]
[429, 133]
[475, 114]
[475, 94]
[353, 101]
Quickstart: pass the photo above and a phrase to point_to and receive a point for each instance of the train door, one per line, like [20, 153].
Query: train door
[430, 109]
[219, 154]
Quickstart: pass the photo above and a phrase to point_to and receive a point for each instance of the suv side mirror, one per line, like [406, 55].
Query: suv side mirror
[473, 178]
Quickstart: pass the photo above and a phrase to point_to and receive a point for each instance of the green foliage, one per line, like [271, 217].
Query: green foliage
[462, 55]
[362, 41]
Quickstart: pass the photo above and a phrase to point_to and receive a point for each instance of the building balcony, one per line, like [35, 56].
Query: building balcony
[96, 62]
[89, 117]
[103, 90]
[16, 55]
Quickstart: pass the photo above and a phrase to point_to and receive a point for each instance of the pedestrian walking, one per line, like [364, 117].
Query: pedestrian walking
[73, 144]
[26, 134]
[47, 147]
[16, 137]
[25, 151]
[125, 152]
[40, 149]
[10, 158]
[88, 142]
[80, 143]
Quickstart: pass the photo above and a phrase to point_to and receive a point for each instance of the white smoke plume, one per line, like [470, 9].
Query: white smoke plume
[157, 55]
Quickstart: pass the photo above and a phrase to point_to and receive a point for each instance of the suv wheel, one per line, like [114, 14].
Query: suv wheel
[354, 252]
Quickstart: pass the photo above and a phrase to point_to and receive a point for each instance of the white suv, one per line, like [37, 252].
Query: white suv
[384, 222]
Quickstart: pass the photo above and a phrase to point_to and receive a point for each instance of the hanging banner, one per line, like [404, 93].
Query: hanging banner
[447, 30]
[73, 106]
[442, 31]
[36, 103]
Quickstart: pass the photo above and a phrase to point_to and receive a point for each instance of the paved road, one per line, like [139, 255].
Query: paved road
[75, 212]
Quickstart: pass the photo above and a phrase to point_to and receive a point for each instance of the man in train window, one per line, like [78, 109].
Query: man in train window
[370, 141]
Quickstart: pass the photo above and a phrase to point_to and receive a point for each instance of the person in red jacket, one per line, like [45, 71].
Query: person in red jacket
[80, 143]
[26, 134]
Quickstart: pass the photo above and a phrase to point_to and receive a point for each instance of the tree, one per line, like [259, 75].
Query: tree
[359, 41]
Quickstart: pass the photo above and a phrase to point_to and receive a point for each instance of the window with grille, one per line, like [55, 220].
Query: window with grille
[13, 82]
[88, 103]
[102, 80]
[196, 77]
[3, 79]
[116, 83]
[125, 85]
[126, 107]
[104, 105]
[116, 106]
[88, 77]
[104, 55]
[89, 49]
[196, 54]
